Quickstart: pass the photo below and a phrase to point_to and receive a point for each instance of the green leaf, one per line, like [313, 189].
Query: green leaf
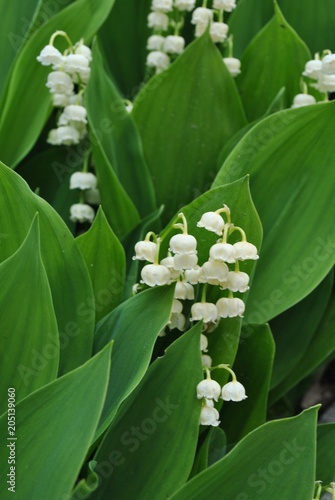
[118, 137]
[183, 127]
[290, 195]
[29, 354]
[105, 260]
[325, 459]
[50, 444]
[212, 449]
[279, 456]
[134, 327]
[27, 103]
[68, 277]
[264, 69]
[161, 415]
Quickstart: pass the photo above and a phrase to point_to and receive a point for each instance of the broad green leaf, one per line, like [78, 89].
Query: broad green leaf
[68, 277]
[293, 330]
[54, 428]
[290, 195]
[277, 457]
[184, 116]
[29, 344]
[253, 367]
[105, 260]
[325, 458]
[27, 102]
[151, 444]
[212, 449]
[118, 136]
[264, 69]
[134, 327]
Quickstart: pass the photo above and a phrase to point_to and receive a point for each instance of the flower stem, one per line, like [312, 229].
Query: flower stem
[63, 34]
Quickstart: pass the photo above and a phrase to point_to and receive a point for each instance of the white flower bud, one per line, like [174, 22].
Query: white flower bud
[202, 15]
[208, 389]
[233, 391]
[206, 360]
[185, 4]
[85, 51]
[326, 83]
[204, 311]
[301, 100]
[183, 244]
[233, 65]
[155, 274]
[158, 21]
[185, 261]
[59, 83]
[158, 60]
[218, 32]
[63, 135]
[226, 5]
[328, 64]
[145, 250]
[203, 343]
[177, 321]
[73, 115]
[177, 307]
[215, 270]
[162, 5]
[184, 291]
[92, 196]
[209, 416]
[129, 107]
[313, 69]
[224, 252]
[50, 55]
[81, 213]
[238, 281]
[245, 251]
[230, 307]
[60, 100]
[155, 42]
[212, 222]
[75, 63]
[83, 180]
[174, 44]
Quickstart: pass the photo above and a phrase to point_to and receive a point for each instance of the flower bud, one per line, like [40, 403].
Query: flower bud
[233, 65]
[209, 416]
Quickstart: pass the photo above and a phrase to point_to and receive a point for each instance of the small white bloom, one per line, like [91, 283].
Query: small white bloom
[226, 5]
[92, 196]
[193, 275]
[85, 51]
[301, 100]
[203, 343]
[185, 261]
[81, 213]
[158, 60]
[129, 107]
[155, 42]
[212, 222]
[63, 135]
[215, 270]
[218, 32]
[326, 83]
[245, 251]
[230, 307]
[83, 180]
[177, 321]
[184, 291]
[84, 75]
[206, 360]
[238, 281]
[155, 274]
[73, 115]
[60, 100]
[233, 65]
[185, 4]
[202, 15]
[209, 389]
[183, 244]
[200, 29]
[59, 83]
[328, 64]
[158, 21]
[177, 307]
[233, 391]
[135, 288]
[174, 44]
[50, 55]
[313, 68]
[162, 5]
[169, 263]
[209, 416]
[145, 250]
[224, 252]
[204, 311]
[75, 63]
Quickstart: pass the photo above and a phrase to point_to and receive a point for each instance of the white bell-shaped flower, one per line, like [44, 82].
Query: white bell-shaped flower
[193, 276]
[226, 5]
[145, 250]
[85, 51]
[326, 83]
[202, 15]
[80, 212]
[204, 311]
[177, 321]
[233, 391]
[169, 263]
[66, 136]
[301, 100]
[230, 307]
[209, 416]
[238, 281]
[224, 252]
[92, 196]
[75, 63]
[183, 244]
[174, 44]
[184, 291]
[60, 100]
[313, 69]
[60, 83]
[177, 307]
[83, 180]
[233, 65]
[218, 32]
[200, 29]
[185, 261]
[245, 251]
[159, 60]
[162, 5]
[155, 274]
[212, 222]
[209, 389]
[50, 55]
[158, 21]
[206, 360]
[74, 115]
[184, 4]
[156, 42]
[328, 64]
[215, 270]
[203, 343]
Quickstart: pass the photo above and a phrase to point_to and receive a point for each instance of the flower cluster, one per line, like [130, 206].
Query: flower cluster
[67, 82]
[86, 182]
[167, 19]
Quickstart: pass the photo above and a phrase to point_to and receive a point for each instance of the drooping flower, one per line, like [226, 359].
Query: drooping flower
[218, 32]
[203, 343]
[162, 5]
[74, 115]
[184, 291]
[155, 274]
[177, 321]
[60, 83]
[325, 83]
[204, 311]
[202, 15]
[50, 56]
[313, 69]
[212, 222]
[63, 135]
[238, 281]
[83, 180]
[145, 250]
[233, 65]
[209, 389]
[230, 307]
[215, 270]
[226, 5]
[92, 196]
[155, 42]
[158, 60]
[328, 64]
[158, 21]
[233, 391]
[301, 100]
[245, 251]
[183, 244]
[224, 252]
[174, 44]
[185, 261]
[75, 63]
[185, 4]
[209, 415]
[80, 212]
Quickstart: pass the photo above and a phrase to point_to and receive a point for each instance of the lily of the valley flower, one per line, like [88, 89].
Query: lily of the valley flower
[245, 251]
[158, 21]
[155, 274]
[50, 56]
[313, 69]
[226, 5]
[156, 42]
[63, 135]
[60, 83]
[209, 415]
[158, 60]
[233, 391]
[174, 44]
[184, 4]
[208, 389]
[218, 32]
[80, 212]
[83, 180]
[233, 65]
[230, 307]
[238, 281]
[162, 5]
[202, 15]
[204, 311]
[301, 100]
[223, 252]
[145, 250]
